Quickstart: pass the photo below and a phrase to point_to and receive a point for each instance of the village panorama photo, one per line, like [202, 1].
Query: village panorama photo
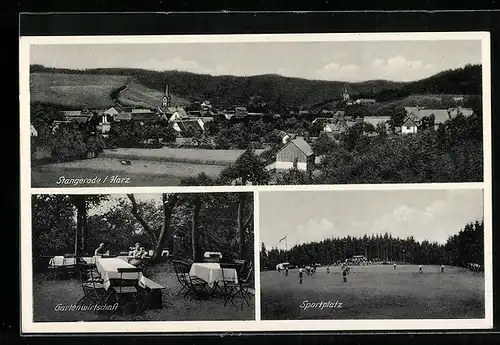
[257, 111]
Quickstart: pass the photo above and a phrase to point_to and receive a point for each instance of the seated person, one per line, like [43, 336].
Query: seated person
[138, 257]
[100, 250]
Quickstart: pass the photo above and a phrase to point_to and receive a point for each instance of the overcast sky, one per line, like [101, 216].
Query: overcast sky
[114, 200]
[340, 61]
[313, 216]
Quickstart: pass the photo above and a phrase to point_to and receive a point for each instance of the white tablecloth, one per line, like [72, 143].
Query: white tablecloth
[212, 272]
[61, 261]
[108, 268]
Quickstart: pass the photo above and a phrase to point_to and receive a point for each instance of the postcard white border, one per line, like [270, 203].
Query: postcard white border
[29, 327]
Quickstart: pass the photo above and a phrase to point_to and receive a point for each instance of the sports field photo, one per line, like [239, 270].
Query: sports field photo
[414, 254]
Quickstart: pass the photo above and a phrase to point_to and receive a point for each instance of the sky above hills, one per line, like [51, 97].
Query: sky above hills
[304, 217]
[335, 61]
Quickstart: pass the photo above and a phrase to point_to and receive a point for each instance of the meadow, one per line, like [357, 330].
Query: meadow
[374, 292]
[138, 95]
[75, 90]
[182, 155]
[140, 173]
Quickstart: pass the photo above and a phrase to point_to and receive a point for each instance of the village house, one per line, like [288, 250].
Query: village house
[77, 116]
[33, 131]
[188, 128]
[240, 112]
[460, 110]
[143, 116]
[410, 125]
[123, 116]
[175, 113]
[206, 105]
[415, 116]
[365, 101]
[296, 153]
[284, 137]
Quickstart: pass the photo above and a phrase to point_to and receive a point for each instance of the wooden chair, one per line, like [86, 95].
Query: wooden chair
[92, 284]
[228, 285]
[124, 287]
[242, 286]
[193, 286]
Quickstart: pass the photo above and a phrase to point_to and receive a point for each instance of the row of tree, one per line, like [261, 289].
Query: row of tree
[185, 224]
[467, 246]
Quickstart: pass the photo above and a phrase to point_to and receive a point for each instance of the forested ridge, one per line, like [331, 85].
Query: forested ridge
[277, 92]
[467, 246]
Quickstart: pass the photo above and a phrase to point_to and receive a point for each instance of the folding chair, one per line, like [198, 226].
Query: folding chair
[123, 287]
[181, 277]
[92, 285]
[194, 286]
[242, 287]
[228, 285]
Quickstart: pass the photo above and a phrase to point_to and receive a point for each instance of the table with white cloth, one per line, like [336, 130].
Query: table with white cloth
[108, 268]
[62, 261]
[211, 272]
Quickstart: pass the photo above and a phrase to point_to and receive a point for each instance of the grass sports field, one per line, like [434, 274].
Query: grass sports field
[374, 292]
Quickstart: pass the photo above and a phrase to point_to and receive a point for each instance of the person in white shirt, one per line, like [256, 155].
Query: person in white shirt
[442, 268]
[100, 250]
[301, 273]
[394, 265]
[420, 269]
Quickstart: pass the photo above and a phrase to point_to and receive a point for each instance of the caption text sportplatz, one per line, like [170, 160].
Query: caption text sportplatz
[320, 305]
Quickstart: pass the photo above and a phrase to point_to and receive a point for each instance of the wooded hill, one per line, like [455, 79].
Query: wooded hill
[270, 91]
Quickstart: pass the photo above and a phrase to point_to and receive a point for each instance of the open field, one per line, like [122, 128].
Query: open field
[140, 173]
[167, 154]
[92, 90]
[138, 95]
[375, 292]
[47, 294]
[74, 90]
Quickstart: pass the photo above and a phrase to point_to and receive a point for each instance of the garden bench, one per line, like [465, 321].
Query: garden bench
[154, 291]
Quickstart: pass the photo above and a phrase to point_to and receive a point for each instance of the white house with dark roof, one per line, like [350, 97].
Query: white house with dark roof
[176, 113]
[410, 125]
[296, 153]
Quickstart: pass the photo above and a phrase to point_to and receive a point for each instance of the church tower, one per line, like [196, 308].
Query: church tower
[345, 95]
[166, 98]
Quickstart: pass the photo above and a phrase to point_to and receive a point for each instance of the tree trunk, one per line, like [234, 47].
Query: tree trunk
[241, 225]
[83, 218]
[169, 203]
[138, 216]
[194, 227]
